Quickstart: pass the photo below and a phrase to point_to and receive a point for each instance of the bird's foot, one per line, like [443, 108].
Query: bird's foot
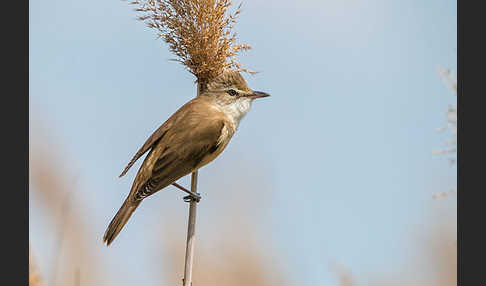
[192, 197]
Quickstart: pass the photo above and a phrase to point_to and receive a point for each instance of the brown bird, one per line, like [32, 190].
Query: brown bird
[192, 137]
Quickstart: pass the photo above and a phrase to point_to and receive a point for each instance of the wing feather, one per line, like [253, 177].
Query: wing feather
[159, 134]
[152, 140]
[183, 150]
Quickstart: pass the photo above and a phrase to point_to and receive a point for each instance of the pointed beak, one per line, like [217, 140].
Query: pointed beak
[258, 94]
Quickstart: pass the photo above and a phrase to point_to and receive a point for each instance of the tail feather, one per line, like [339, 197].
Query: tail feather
[119, 221]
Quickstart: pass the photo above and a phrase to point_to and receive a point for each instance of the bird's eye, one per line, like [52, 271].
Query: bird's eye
[232, 92]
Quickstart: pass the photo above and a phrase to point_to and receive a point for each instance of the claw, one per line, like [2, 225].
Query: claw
[192, 197]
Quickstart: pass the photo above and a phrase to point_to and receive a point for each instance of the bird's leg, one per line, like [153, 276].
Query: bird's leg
[192, 196]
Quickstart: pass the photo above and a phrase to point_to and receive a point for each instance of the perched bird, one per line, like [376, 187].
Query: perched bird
[191, 138]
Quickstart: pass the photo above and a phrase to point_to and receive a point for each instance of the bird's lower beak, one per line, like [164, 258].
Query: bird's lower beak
[259, 94]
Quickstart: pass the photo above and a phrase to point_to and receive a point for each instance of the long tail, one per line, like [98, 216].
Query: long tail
[119, 220]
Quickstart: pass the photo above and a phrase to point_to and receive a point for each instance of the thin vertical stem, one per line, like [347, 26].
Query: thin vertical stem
[191, 231]
[191, 228]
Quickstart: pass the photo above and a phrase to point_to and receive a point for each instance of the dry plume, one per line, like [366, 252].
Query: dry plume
[451, 127]
[199, 33]
[343, 274]
[437, 247]
[451, 115]
[35, 278]
[54, 185]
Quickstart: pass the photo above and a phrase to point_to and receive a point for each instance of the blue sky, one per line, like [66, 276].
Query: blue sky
[338, 162]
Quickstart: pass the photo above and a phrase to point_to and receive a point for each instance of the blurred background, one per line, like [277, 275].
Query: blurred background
[345, 176]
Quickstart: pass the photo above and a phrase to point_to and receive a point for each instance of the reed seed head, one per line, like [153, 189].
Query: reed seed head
[199, 33]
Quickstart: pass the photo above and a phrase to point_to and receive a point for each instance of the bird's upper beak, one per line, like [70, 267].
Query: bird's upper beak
[258, 94]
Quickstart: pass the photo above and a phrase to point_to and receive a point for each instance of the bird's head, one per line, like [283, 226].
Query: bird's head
[232, 94]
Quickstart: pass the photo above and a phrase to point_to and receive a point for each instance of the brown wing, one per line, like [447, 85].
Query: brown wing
[180, 158]
[178, 152]
[157, 135]
[154, 138]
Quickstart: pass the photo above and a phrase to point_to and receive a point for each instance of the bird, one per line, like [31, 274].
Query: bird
[191, 138]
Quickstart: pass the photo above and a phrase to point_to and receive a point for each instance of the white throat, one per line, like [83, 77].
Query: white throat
[237, 110]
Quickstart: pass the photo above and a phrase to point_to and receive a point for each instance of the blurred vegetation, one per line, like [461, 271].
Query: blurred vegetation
[234, 258]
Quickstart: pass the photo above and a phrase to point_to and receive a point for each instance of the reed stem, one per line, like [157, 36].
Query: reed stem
[191, 227]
